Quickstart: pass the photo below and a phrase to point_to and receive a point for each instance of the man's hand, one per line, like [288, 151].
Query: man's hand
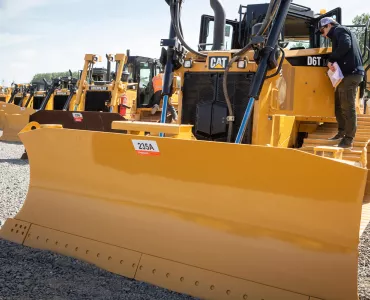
[331, 67]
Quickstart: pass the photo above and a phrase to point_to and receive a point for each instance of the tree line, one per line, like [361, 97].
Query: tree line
[49, 76]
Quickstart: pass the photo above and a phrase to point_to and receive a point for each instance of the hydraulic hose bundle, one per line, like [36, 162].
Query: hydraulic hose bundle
[175, 10]
[282, 9]
[270, 14]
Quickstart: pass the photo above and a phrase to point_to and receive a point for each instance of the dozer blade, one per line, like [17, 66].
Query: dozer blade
[13, 124]
[213, 220]
[2, 117]
[8, 108]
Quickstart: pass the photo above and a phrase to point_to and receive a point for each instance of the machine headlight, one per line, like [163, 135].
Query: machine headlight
[188, 63]
[241, 64]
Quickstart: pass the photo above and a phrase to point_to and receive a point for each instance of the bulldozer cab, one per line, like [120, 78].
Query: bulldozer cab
[142, 70]
[298, 31]
[99, 76]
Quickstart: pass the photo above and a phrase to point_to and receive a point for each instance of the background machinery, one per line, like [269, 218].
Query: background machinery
[101, 98]
[40, 95]
[256, 204]
[5, 94]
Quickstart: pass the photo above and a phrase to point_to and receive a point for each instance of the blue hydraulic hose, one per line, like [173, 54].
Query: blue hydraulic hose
[164, 112]
[245, 120]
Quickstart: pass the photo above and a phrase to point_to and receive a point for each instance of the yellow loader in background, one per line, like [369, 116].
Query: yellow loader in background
[5, 94]
[229, 202]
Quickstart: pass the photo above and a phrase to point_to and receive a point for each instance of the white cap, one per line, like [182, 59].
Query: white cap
[325, 21]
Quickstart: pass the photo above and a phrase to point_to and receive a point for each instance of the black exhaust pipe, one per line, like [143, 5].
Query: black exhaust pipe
[108, 67]
[219, 25]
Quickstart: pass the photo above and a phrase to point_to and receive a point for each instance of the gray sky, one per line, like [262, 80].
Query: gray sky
[39, 36]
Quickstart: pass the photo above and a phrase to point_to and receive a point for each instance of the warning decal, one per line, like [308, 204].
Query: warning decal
[146, 147]
[77, 117]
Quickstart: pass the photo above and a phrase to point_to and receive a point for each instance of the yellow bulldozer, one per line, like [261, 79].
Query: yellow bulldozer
[244, 197]
[104, 96]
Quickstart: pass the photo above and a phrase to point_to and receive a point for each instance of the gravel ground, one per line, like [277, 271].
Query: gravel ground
[364, 265]
[14, 174]
[27, 273]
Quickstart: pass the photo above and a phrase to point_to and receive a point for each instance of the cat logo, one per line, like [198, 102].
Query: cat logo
[218, 62]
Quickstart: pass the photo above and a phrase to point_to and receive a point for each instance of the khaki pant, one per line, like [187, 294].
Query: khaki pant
[345, 105]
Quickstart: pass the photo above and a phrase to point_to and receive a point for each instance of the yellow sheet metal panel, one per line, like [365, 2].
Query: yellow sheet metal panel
[251, 217]
[313, 93]
[2, 117]
[14, 230]
[13, 124]
[307, 52]
[152, 127]
[303, 91]
[283, 129]
[112, 258]
[262, 128]
[10, 108]
[205, 284]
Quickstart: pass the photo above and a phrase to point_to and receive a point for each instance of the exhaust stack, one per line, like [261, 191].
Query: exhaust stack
[109, 61]
[219, 25]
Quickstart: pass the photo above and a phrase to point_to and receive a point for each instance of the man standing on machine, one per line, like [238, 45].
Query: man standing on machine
[157, 87]
[346, 53]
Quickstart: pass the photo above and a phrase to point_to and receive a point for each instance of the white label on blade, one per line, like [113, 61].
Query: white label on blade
[146, 147]
[23, 108]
